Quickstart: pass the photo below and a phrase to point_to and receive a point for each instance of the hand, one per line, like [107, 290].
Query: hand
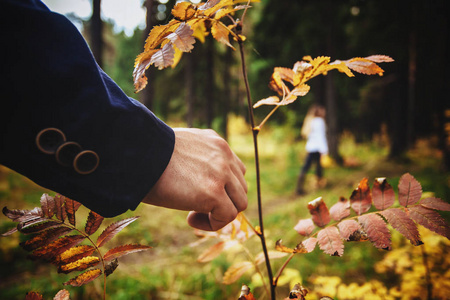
[204, 176]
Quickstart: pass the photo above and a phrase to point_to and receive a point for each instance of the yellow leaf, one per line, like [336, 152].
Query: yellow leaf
[184, 11]
[200, 32]
[84, 278]
[236, 271]
[301, 90]
[79, 265]
[220, 33]
[212, 252]
[176, 57]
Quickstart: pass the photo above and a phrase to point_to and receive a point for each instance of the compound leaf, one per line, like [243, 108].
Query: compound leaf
[84, 278]
[124, 250]
[93, 222]
[113, 229]
[340, 210]
[330, 241]
[400, 220]
[361, 199]
[383, 194]
[319, 212]
[409, 190]
[430, 219]
[377, 231]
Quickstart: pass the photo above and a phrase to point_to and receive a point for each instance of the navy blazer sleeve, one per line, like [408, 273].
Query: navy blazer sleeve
[51, 80]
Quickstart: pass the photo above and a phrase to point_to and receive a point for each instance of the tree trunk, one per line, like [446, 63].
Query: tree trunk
[227, 91]
[209, 82]
[97, 32]
[148, 93]
[189, 84]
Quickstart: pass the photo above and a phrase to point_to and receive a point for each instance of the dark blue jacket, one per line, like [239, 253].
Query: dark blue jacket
[49, 79]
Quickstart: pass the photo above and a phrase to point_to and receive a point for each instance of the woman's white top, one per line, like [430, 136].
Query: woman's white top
[317, 138]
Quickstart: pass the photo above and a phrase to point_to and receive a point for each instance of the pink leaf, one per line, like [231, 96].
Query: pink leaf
[430, 219]
[310, 244]
[340, 210]
[305, 227]
[330, 241]
[409, 190]
[347, 227]
[319, 212]
[383, 194]
[400, 220]
[376, 230]
[163, 58]
[435, 203]
[361, 199]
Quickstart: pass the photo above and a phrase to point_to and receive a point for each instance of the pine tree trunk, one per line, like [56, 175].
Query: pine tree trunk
[148, 93]
[96, 32]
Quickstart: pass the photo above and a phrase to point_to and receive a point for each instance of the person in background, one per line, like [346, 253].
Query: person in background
[314, 129]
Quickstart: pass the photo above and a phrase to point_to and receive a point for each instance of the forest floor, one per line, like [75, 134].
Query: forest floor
[171, 271]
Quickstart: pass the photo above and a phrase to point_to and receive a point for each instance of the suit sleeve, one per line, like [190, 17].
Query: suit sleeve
[50, 81]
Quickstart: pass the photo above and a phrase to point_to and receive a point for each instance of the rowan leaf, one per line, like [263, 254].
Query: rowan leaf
[84, 278]
[364, 66]
[430, 219]
[236, 271]
[9, 232]
[310, 244]
[319, 212]
[220, 33]
[305, 227]
[48, 205]
[435, 203]
[380, 58]
[245, 293]
[184, 11]
[163, 58]
[282, 248]
[33, 296]
[383, 194]
[124, 250]
[400, 220]
[330, 241]
[347, 228]
[361, 199]
[212, 252]
[23, 215]
[273, 100]
[36, 228]
[340, 210]
[341, 67]
[71, 207]
[52, 250]
[62, 295]
[60, 211]
[409, 190]
[93, 222]
[142, 63]
[209, 4]
[113, 229]
[79, 265]
[44, 238]
[301, 90]
[260, 258]
[74, 254]
[182, 37]
[376, 230]
[111, 267]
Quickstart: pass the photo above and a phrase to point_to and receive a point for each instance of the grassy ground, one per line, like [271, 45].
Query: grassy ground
[170, 269]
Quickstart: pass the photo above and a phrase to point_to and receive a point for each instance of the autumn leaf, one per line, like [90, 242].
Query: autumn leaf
[430, 219]
[236, 271]
[340, 210]
[44, 238]
[298, 292]
[310, 244]
[366, 65]
[272, 100]
[182, 37]
[212, 252]
[400, 220]
[282, 248]
[93, 222]
[36, 228]
[245, 293]
[124, 250]
[48, 205]
[319, 212]
[111, 267]
[163, 58]
[435, 203]
[62, 295]
[49, 251]
[361, 199]
[24, 215]
[221, 33]
[409, 190]
[383, 194]
[347, 228]
[260, 258]
[84, 278]
[60, 211]
[113, 229]
[33, 296]
[79, 265]
[376, 229]
[184, 11]
[74, 254]
[305, 227]
[330, 241]
[71, 207]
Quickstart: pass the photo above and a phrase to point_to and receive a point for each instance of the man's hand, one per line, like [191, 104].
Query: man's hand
[203, 176]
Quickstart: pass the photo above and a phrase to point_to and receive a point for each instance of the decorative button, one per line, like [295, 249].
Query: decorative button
[48, 140]
[86, 162]
[66, 153]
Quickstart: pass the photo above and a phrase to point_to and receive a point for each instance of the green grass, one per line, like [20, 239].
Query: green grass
[170, 269]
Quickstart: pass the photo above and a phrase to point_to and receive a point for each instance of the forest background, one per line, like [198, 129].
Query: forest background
[377, 126]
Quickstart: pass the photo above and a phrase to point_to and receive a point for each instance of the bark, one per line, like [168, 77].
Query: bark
[96, 32]
[148, 93]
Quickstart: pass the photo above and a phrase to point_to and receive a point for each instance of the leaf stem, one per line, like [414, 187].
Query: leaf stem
[255, 131]
[275, 281]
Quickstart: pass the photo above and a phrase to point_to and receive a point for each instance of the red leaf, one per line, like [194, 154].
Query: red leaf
[84, 278]
[29, 228]
[124, 250]
[383, 194]
[361, 199]
[400, 220]
[71, 207]
[44, 238]
[330, 241]
[93, 222]
[340, 210]
[9, 232]
[48, 205]
[25, 215]
[113, 229]
[435, 203]
[319, 212]
[310, 244]
[430, 219]
[52, 250]
[59, 206]
[305, 227]
[347, 228]
[33, 296]
[409, 190]
[376, 230]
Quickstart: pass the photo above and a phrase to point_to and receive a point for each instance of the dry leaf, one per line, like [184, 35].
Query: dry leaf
[236, 271]
[113, 229]
[182, 37]
[211, 253]
[93, 222]
[347, 228]
[62, 295]
[409, 190]
[84, 278]
[377, 231]
[361, 199]
[79, 265]
[319, 212]
[340, 210]
[383, 194]
[330, 241]
[124, 250]
[400, 220]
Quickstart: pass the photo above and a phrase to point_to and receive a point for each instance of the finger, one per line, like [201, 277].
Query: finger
[240, 176]
[236, 191]
[239, 163]
[204, 221]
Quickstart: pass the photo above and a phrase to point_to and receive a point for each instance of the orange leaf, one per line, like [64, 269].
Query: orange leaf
[236, 271]
[84, 278]
[301, 90]
[62, 295]
[380, 58]
[33, 296]
[113, 229]
[44, 238]
[211, 253]
[409, 190]
[361, 199]
[330, 241]
[245, 293]
[49, 251]
[79, 265]
[383, 194]
[273, 100]
[400, 220]
[364, 66]
[319, 212]
[93, 222]
[124, 250]
[376, 230]
[184, 11]
[221, 33]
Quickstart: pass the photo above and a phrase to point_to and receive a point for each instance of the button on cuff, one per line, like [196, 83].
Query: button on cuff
[86, 162]
[48, 140]
[66, 153]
